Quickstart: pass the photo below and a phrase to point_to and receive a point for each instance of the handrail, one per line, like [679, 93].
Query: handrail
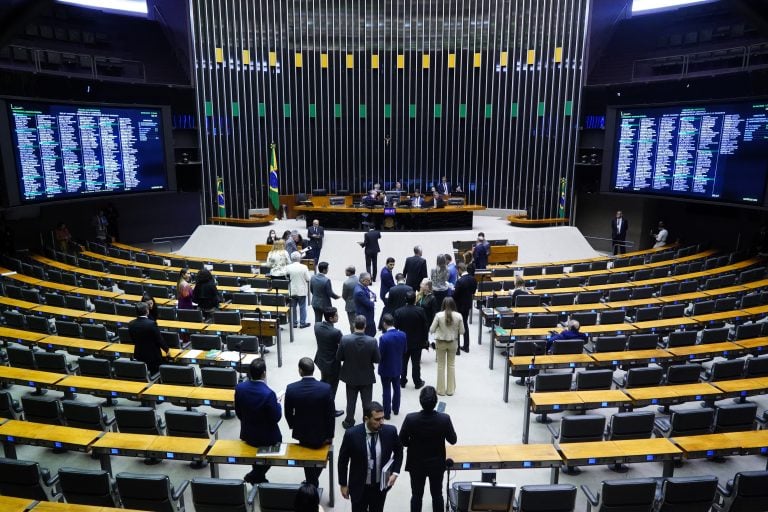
[684, 61]
[168, 240]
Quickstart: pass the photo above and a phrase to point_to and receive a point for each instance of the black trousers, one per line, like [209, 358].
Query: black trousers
[312, 476]
[259, 473]
[418, 479]
[372, 500]
[370, 264]
[332, 379]
[415, 357]
[465, 319]
[318, 314]
[619, 246]
[366, 395]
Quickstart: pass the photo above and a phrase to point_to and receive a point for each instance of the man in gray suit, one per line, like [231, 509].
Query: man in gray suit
[322, 291]
[357, 353]
[348, 294]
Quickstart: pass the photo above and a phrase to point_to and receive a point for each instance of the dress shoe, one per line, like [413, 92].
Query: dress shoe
[403, 383]
[339, 412]
[432, 346]
[347, 424]
[465, 349]
[395, 412]
[302, 326]
[419, 384]
[458, 352]
[387, 416]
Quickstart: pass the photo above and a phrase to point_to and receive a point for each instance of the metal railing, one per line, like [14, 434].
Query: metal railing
[739, 58]
[169, 240]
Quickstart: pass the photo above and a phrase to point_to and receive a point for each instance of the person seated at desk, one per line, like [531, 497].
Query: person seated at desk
[417, 201]
[571, 332]
[435, 201]
[519, 289]
[374, 198]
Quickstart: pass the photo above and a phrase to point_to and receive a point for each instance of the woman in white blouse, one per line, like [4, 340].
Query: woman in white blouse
[278, 259]
[447, 327]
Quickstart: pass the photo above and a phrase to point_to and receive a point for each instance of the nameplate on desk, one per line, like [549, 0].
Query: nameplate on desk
[527, 464]
[57, 444]
[603, 404]
[649, 458]
[466, 465]
[591, 461]
[31, 384]
[206, 402]
[73, 389]
[169, 455]
[114, 451]
[10, 439]
[160, 398]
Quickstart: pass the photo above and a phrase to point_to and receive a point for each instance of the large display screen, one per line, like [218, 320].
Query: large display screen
[712, 152]
[65, 151]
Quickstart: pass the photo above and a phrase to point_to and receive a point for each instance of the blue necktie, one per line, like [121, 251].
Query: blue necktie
[372, 446]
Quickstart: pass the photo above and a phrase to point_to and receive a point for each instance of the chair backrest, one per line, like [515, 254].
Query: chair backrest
[526, 301]
[691, 422]
[157, 291]
[575, 346]
[642, 275]
[189, 315]
[166, 313]
[132, 288]
[226, 317]
[647, 341]
[55, 299]
[181, 375]
[70, 329]
[137, 420]
[725, 370]
[546, 284]
[95, 367]
[610, 344]
[647, 314]
[9, 408]
[681, 339]
[750, 492]
[528, 348]
[514, 321]
[725, 304]
[277, 497]
[88, 487]
[543, 321]
[581, 267]
[589, 297]
[683, 374]
[171, 338]
[688, 494]
[125, 369]
[186, 423]
[219, 495]
[42, 409]
[619, 294]
[38, 324]
[597, 280]
[83, 415]
[594, 379]
[612, 316]
[703, 307]
[585, 317]
[552, 497]
[756, 367]
[243, 343]
[552, 382]
[735, 417]
[568, 282]
[746, 331]
[641, 292]
[30, 295]
[245, 298]
[584, 428]
[717, 335]
[269, 299]
[142, 491]
[76, 302]
[214, 377]
[631, 425]
[533, 271]
[126, 309]
[52, 362]
[630, 495]
[599, 265]
[562, 299]
[644, 377]
[205, 341]
[669, 289]
[135, 272]
[482, 286]
[21, 357]
[22, 479]
[749, 300]
[95, 332]
[620, 262]
[672, 311]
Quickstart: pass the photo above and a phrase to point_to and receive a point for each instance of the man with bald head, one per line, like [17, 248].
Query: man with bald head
[571, 332]
[415, 269]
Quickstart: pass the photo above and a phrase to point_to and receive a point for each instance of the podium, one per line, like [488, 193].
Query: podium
[264, 327]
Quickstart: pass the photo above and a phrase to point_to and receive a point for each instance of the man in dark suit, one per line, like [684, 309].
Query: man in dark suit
[396, 297]
[425, 434]
[309, 411]
[365, 302]
[348, 294]
[412, 320]
[619, 227]
[370, 245]
[415, 269]
[387, 279]
[358, 353]
[315, 235]
[328, 339]
[259, 412]
[147, 339]
[443, 188]
[392, 346]
[366, 449]
[465, 289]
[321, 290]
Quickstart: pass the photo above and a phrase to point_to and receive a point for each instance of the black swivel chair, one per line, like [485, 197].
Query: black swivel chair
[69, 329]
[681, 339]
[735, 417]
[26, 479]
[578, 429]
[631, 495]
[222, 495]
[9, 408]
[748, 491]
[629, 425]
[41, 409]
[594, 379]
[226, 317]
[643, 377]
[142, 491]
[86, 415]
[225, 378]
[687, 494]
[546, 498]
[88, 487]
[179, 375]
[124, 369]
[191, 424]
[277, 497]
[551, 382]
[205, 341]
[610, 344]
[138, 420]
[685, 422]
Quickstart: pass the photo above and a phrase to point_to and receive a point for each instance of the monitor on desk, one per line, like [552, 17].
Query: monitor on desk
[486, 497]
[336, 201]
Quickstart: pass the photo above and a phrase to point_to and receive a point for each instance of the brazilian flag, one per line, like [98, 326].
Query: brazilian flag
[220, 196]
[274, 182]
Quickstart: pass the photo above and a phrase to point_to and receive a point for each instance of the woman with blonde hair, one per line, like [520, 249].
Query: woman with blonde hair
[439, 278]
[278, 259]
[447, 326]
[426, 299]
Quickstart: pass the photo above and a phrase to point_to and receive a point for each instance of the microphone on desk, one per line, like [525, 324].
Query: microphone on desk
[449, 463]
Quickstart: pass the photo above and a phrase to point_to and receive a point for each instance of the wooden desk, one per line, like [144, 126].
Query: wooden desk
[215, 397]
[232, 451]
[18, 303]
[555, 401]
[224, 328]
[58, 312]
[667, 324]
[631, 357]
[126, 350]
[721, 316]
[602, 398]
[668, 395]
[167, 393]
[10, 504]
[512, 456]
[475, 457]
[175, 325]
[106, 318]
[743, 387]
[78, 345]
[140, 445]
[31, 378]
[14, 432]
[596, 306]
[755, 346]
[107, 388]
[409, 219]
[622, 452]
[20, 335]
[551, 361]
[709, 445]
[724, 349]
[54, 506]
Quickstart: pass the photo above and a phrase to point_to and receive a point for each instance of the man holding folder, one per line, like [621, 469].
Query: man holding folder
[369, 460]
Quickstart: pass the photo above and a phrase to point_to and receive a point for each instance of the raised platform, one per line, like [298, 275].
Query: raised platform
[254, 220]
[403, 219]
[524, 221]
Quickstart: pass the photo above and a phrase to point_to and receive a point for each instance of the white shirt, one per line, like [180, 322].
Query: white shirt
[298, 273]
